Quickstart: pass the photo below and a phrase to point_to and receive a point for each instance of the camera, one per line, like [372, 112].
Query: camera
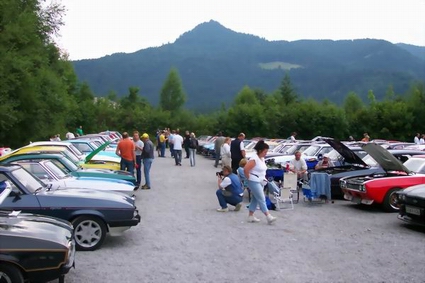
[219, 174]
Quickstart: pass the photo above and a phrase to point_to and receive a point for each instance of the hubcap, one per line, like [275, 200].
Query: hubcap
[393, 201]
[4, 278]
[88, 233]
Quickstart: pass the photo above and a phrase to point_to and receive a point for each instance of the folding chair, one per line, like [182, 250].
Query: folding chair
[285, 195]
[290, 183]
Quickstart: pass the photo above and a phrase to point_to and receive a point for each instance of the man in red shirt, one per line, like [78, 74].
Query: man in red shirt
[127, 151]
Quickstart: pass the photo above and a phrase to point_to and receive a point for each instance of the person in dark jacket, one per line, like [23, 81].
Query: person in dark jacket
[147, 157]
[186, 143]
[237, 150]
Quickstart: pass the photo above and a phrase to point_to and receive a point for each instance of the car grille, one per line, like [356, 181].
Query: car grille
[354, 186]
[415, 202]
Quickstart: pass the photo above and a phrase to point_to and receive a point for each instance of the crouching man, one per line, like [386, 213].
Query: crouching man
[230, 190]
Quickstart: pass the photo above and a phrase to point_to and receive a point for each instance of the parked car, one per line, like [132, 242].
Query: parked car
[381, 188]
[69, 167]
[412, 205]
[33, 247]
[49, 173]
[93, 213]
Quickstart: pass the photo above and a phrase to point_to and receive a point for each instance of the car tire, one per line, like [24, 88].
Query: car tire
[89, 232]
[389, 203]
[10, 274]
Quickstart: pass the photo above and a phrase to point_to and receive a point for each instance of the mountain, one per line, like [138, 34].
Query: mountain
[418, 51]
[215, 62]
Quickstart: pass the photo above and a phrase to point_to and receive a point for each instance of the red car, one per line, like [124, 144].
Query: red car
[381, 188]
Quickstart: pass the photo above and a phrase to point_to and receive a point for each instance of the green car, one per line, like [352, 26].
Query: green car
[71, 168]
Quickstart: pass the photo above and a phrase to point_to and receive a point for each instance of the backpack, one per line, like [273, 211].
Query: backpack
[193, 143]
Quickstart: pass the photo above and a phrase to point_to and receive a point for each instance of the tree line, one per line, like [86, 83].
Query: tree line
[40, 95]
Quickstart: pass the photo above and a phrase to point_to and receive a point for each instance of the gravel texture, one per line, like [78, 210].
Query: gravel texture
[183, 239]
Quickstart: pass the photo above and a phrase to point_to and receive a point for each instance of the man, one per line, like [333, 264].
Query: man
[237, 151]
[324, 163]
[79, 131]
[229, 190]
[162, 140]
[217, 148]
[292, 137]
[416, 139]
[170, 142]
[365, 138]
[126, 150]
[69, 136]
[147, 157]
[178, 146]
[138, 145]
[186, 143]
[298, 166]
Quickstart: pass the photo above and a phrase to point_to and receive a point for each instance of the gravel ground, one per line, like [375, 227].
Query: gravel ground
[183, 239]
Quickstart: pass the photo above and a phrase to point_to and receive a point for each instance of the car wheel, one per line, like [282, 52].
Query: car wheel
[10, 274]
[89, 232]
[390, 201]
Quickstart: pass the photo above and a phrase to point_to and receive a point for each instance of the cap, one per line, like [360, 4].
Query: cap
[145, 136]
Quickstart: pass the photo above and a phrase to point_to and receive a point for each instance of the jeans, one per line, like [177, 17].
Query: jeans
[257, 196]
[139, 169]
[223, 200]
[192, 153]
[172, 149]
[217, 157]
[162, 147]
[147, 163]
[178, 156]
[127, 165]
[186, 148]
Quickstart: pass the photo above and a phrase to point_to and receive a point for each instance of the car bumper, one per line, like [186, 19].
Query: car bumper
[116, 228]
[357, 197]
[411, 220]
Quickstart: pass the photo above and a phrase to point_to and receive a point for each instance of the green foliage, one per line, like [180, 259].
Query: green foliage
[287, 91]
[172, 96]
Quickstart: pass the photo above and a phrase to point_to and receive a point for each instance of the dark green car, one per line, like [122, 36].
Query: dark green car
[71, 168]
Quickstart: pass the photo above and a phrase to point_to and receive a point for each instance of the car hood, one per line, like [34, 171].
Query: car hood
[99, 184]
[34, 226]
[384, 158]
[77, 197]
[417, 191]
[96, 151]
[348, 155]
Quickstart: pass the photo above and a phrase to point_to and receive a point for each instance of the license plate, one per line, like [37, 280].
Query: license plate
[356, 200]
[413, 210]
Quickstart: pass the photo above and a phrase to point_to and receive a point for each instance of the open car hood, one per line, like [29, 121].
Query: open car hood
[384, 158]
[94, 152]
[348, 155]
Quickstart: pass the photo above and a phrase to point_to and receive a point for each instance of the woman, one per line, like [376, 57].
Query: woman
[193, 145]
[229, 190]
[255, 172]
[225, 153]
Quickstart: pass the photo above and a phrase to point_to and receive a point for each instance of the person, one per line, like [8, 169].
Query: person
[162, 141]
[138, 145]
[417, 138]
[324, 163]
[241, 173]
[365, 138]
[255, 172]
[217, 147]
[351, 139]
[178, 147]
[69, 136]
[170, 142]
[126, 150]
[226, 156]
[292, 137]
[79, 131]
[298, 166]
[237, 151]
[229, 190]
[147, 158]
[422, 139]
[186, 143]
[193, 145]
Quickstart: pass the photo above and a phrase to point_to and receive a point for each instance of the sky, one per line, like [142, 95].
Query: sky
[96, 28]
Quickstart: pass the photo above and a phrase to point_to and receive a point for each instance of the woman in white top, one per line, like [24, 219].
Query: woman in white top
[225, 153]
[255, 172]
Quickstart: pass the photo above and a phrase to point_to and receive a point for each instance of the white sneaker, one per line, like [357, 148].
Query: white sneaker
[238, 206]
[253, 219]
[223, 209]
[271, 218]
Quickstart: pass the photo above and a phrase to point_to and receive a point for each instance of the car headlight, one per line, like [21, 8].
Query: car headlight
[402, 197]
[135, 213]
[343, 184]
[362, 188]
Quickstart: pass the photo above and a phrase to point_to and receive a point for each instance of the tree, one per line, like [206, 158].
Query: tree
[287, 91]
[172, 96]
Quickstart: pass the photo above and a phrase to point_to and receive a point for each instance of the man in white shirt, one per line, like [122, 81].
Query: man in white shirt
[69, 136]
[177, 148]
[298, 166]
[138, 145]
[416, 139]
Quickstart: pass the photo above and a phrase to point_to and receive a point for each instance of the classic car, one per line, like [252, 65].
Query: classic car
[88, 146]
[412, 204]
[33, 247]
[380, 188]
[49, 173]
[93, 213]
[69, 167]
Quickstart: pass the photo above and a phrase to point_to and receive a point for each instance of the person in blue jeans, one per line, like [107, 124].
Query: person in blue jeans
[230, 190]
[255, 172]
[147, 158]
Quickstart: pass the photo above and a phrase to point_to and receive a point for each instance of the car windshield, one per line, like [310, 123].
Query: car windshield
[71, 156]
[84, 147]
[250, 145]
[415, 164]
[75, 150]
[55, 170]
[312, 150]
[69, 164]
[30, 182]
[61, 166]
[370, 161]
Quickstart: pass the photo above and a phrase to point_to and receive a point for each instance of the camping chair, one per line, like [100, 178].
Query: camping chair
[280, 195]
[290, 183]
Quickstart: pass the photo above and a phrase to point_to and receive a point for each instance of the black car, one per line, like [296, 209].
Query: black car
[412, 204]
[34, 248]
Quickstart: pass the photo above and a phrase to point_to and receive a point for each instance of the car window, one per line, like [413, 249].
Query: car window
[35, 169]
[312, 150]
[3, 177]
[83, 147]
[29, 181]
[415, 164]
[325, 150]
[370, 161]
[71, 156]
[61, 166]
[69, 164]
[55, 170]
[75, 150]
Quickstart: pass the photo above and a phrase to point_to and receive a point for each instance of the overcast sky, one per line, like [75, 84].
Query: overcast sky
[95, 28]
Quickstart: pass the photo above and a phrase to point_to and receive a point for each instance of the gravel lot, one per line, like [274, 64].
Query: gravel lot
[183, 239]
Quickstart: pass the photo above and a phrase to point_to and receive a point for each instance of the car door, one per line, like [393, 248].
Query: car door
[19, 199]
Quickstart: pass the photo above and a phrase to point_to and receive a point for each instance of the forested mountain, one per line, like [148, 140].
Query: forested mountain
[418, 51]
[215, 63]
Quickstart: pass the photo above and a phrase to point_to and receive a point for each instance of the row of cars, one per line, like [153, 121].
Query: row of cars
[55, 199]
